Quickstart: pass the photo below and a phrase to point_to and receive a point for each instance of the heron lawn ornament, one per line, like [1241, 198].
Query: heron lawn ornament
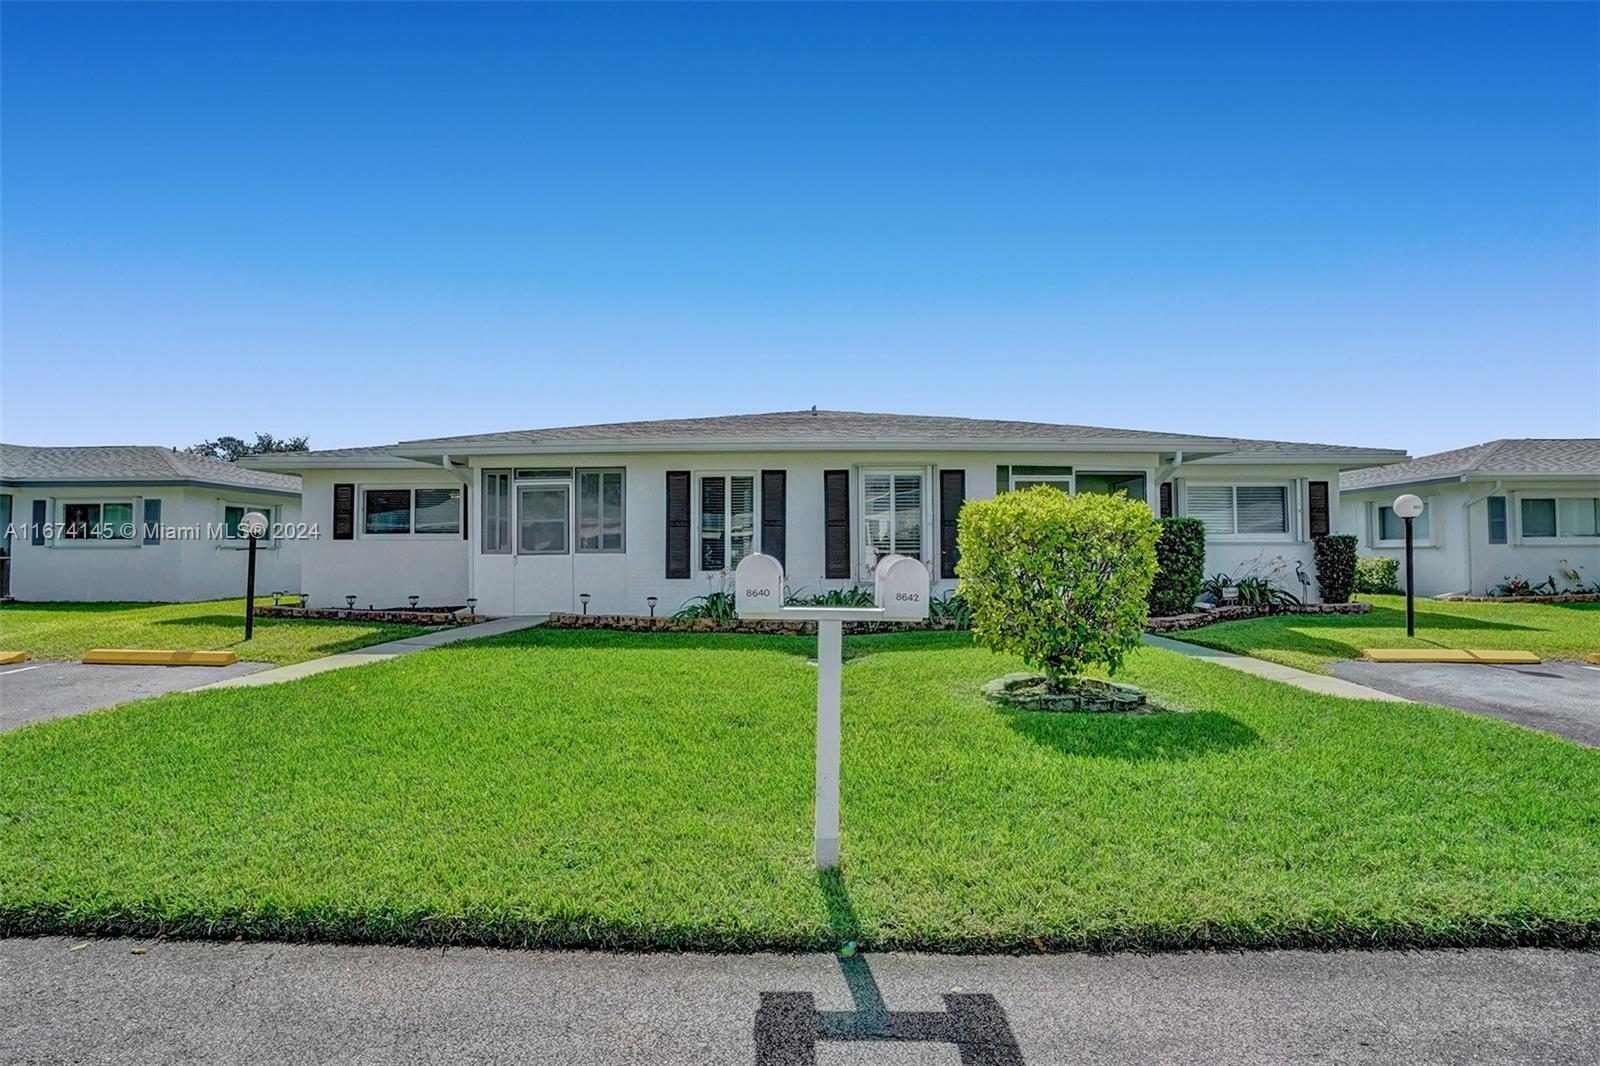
[1305, 580]
[1570, 574]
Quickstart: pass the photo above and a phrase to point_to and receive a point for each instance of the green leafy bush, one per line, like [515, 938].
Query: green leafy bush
[1377, 576]
[1336, 566]
[1250, 591]
[1061, 581]
[855, 596]
[1180, 566]
[714, 605]
[953, 607]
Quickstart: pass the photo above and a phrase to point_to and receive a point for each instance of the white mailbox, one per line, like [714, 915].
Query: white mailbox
[901, 587]
[758, 587]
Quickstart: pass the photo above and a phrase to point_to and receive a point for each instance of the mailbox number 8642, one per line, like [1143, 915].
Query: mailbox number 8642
[912, 597]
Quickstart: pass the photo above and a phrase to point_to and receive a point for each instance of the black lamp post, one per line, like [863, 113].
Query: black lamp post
[1409, 508]
[651, 600]
[253, 525]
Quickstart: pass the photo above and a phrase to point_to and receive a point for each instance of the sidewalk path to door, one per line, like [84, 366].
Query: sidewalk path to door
[379, 652]
[1327, 686]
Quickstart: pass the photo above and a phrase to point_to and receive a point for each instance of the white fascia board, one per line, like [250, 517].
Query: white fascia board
[1342, 460]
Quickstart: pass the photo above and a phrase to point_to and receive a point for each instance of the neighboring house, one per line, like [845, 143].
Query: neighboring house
[138, 523]
[1508, 508]
[533, 521]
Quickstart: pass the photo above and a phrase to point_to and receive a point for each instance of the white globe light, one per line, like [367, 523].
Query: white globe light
[1408, 506]
[253, 524]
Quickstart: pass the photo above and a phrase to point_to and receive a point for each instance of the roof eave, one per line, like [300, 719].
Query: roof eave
[104, 482]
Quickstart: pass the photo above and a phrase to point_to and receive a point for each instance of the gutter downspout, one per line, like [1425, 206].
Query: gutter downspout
[465, 478]
[1493, 490]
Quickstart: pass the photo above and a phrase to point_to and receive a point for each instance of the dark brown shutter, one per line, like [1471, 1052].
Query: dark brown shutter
[774, 513]
[836, 523]
[344, 512]
[1166, 499]
[41, 517]
[678, 523]
[1317, 499]
[952, 491]
[465, 511]
[1002, 479]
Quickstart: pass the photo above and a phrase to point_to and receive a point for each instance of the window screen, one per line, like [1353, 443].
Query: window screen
[438, 511]
[600, 496]
[542, 519]
[388, 511]
[1213, 505]
[1538, 518]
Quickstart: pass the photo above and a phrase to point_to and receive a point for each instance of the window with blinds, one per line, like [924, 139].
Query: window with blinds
[892, 511]
[437, 511]
[727, 520]
[411, 510]
[1229, 510]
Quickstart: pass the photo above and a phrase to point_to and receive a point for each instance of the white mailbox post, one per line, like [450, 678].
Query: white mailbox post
[901, 593]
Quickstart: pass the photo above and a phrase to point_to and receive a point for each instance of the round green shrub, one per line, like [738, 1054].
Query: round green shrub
[1180, 566]
[1061, 581]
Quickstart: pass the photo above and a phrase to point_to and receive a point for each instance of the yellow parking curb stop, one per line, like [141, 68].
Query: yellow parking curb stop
[1450, 655]
[9, 657]
[157, 657]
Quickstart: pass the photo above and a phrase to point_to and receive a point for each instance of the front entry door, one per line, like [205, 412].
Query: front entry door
[543, 567]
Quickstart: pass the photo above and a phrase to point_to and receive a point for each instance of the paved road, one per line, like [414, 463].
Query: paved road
[1558, 697]
[34, 691]
[285, 1004]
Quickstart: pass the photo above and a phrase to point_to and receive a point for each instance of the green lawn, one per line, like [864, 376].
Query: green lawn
[67, 630]
[1311, 641]
[609, 789]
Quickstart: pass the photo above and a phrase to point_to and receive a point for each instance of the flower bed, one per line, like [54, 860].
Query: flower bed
[1560, 597]
[421, 616]
[770, 626]
[1177, 622]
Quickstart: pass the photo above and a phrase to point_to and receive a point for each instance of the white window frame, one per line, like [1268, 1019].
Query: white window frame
[410, 534]
[577, 481]
[1375, 537]
[59, 510]
[697, 530]
[866, 552]
[1515, 501]
[1291, 508]
[243, 543]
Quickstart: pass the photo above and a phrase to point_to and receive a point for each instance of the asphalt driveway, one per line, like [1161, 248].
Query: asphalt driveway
[96, 1000]
[35, 691]
[1557, 697]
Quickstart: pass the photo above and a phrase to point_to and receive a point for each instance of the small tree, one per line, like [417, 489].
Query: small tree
[234, 448]
[1180, 566]
[1059, 580]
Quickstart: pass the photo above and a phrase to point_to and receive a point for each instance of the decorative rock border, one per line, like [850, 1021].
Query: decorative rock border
[1560, 597]
[397, 616]
[1177, 622]
[1089, 694]
[628, 623]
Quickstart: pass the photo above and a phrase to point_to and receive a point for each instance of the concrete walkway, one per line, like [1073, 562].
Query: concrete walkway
[1327, 686]
[380, 652]
[84, 1000]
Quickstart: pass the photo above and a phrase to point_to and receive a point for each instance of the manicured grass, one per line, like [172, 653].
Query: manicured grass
[67, 630]
[565, 788]
[1311, 641]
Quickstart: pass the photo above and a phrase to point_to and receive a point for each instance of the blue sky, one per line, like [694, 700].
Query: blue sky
[1373, 224]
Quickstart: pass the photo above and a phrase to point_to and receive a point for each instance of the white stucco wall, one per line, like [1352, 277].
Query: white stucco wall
[381, 570]
[1457, 556]
[175, 570]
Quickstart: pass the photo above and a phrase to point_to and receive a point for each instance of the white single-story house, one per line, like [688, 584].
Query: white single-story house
[139, 523]
[1510, 508]
[630, 517]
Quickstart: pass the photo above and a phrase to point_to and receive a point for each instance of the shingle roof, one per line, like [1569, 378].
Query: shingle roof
[813, 425]
[817, 426]
[146, 464]
[1559, 457]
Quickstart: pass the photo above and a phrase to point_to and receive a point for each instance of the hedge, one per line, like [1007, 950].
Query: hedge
[1336, 566]
[1180, 566]
[1378, 576]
